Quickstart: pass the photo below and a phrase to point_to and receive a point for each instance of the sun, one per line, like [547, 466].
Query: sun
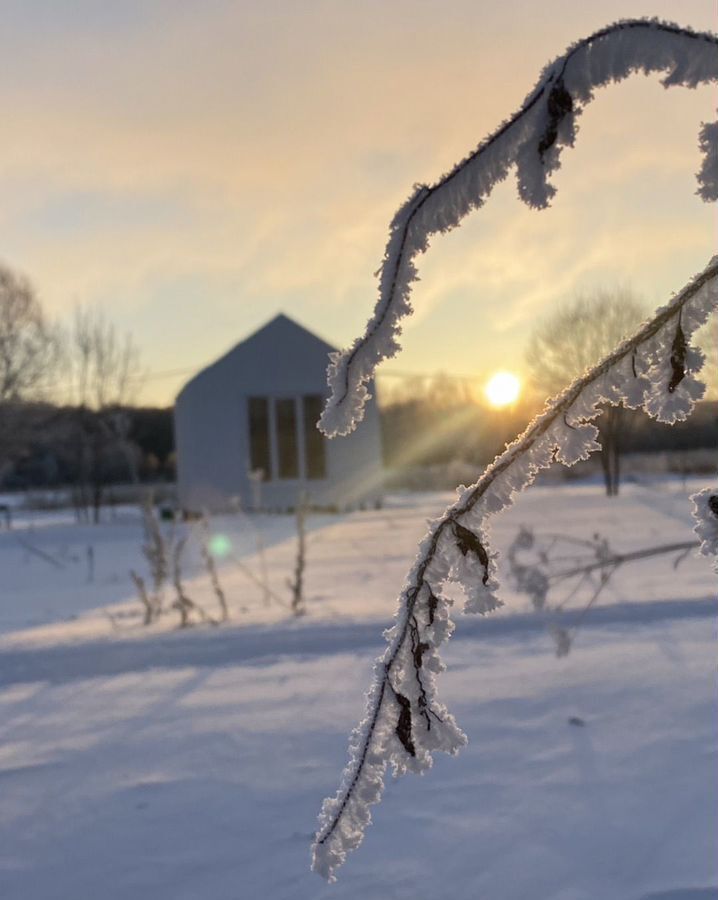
[502, 389]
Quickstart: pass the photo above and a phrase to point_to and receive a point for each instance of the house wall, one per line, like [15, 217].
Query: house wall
[211, 426]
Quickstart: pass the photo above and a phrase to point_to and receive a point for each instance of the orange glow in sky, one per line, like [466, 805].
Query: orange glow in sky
[192, 170]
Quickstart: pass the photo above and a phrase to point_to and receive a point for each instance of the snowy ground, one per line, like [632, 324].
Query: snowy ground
[146, 763]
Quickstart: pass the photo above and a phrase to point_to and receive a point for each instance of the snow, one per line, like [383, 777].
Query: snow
[151, 763]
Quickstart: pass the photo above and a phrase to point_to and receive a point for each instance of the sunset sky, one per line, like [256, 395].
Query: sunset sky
[195, 168]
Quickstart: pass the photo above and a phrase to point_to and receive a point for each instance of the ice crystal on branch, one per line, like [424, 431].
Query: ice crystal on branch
[532, 140]
[405, 721]
[705, 515]
[655, 369]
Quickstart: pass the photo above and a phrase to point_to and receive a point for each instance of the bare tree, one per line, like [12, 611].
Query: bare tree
[104, 363]
[27, 342]
[28, 354]
[571, 341]
[103, 366]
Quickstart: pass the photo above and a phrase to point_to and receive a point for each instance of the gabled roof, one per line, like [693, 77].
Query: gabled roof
[281, 324]
[279, 331]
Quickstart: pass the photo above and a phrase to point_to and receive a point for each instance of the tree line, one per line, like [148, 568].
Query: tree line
[561, 346]
[66, 401]
[68, 414]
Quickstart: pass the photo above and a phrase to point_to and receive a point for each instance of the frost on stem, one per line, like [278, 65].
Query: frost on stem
[655, 369]
[705, 515]
[532, 140]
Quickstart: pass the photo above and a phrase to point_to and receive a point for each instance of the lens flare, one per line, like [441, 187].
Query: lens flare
[219, 545]
[502, 389]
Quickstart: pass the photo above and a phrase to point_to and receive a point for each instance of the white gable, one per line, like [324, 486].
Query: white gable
[259, 402]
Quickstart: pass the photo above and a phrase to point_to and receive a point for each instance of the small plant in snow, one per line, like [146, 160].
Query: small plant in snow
[655, 369]
[296, 583]
[209, 563]
[183, 603]
[144, 597]
[540, 566]
[164, 555]
[155, 551]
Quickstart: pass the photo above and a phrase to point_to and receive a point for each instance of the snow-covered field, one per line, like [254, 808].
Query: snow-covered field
[150, 763]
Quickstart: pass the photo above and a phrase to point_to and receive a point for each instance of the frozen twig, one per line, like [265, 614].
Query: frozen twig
[532, 140]
[656, 370]
[155, 552]
[144, 597]
[296, 584]
[563, 432]
[209, 563]
[183, 602]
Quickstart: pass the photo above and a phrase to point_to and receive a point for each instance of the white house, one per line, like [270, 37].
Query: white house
[256, 409]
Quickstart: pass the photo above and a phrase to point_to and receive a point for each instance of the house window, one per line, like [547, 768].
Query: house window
[259, 456]
[284, 441]
[287, 444]
[314, 449]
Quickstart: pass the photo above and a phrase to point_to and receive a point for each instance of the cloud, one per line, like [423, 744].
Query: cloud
[205, 170]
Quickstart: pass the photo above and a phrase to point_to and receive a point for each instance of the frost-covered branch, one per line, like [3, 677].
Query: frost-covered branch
[655, 370]
[705, 514]
[532, 140]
